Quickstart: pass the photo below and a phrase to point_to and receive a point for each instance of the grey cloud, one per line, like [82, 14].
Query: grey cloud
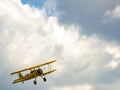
[89, 14]
[107, 87]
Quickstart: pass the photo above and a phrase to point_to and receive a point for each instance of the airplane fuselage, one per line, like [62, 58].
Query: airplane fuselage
[31, 75]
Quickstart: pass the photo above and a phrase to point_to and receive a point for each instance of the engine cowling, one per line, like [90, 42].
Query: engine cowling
[40, 71]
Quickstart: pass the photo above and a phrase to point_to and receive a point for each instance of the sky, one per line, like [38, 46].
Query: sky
[34, 3]
[82, 35]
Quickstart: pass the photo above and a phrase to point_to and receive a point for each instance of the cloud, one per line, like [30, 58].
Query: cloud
[113, 14]
[50, 7]
[79, 87]
[29, 36]
[90, 15]
[115, 52]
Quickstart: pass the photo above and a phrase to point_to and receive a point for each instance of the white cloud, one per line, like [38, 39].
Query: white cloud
[111, 15]
[78, 87]
[115, 52]
[113, 64]
[28, 36]
[20, 31]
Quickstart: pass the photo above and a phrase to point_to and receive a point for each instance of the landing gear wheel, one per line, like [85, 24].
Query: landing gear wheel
[44, 79]
[34, 82]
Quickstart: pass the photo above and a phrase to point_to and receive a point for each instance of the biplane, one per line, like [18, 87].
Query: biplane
[35, 72]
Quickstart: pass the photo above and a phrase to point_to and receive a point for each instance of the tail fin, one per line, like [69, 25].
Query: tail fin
[20, 75]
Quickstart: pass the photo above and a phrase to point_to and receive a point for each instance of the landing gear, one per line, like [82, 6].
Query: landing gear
[35, 82]
[44, 79]
[22, 82]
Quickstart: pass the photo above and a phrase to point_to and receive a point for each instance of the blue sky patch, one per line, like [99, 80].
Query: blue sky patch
[35, 3]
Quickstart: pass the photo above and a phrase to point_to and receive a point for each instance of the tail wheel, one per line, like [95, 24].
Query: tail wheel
[44, 79]
[35, 82]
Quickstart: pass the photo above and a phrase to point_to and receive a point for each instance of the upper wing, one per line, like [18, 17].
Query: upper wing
[34, 67]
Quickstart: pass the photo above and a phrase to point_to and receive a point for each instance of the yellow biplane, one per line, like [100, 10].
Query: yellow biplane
[35, 71]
